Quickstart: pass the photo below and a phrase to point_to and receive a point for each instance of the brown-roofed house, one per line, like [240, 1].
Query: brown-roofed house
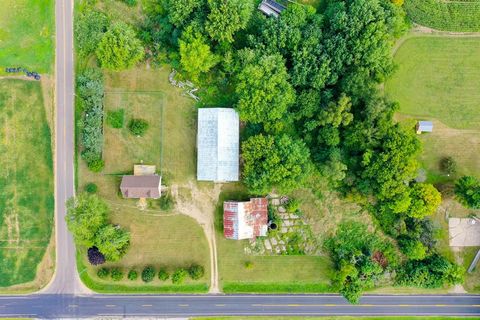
[136, 187]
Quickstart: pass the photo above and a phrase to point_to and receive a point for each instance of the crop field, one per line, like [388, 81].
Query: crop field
[460, 16]
[27, 34]
[26, 181]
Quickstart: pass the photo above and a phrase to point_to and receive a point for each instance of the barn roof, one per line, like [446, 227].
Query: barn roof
[218, 144]
[245, 220]
[425, 126]
[271, 8]
[141, 186]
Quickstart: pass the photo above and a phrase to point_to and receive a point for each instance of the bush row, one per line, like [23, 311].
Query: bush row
[148, 274]
[91, 91]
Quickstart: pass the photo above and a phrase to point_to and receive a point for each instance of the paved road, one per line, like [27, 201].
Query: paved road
[69, 306]
[66, 279]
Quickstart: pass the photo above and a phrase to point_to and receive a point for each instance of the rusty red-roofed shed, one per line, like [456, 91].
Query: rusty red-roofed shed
[245, 220]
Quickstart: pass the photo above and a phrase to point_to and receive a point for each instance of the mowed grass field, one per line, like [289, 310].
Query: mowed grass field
[438, 80]
[26, 181]
[160, 239]
[27, 34]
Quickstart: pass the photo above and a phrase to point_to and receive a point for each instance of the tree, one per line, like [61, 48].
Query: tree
[119, 48]
[412, 248]
[116, 274]
[196, 271]
[86, 215]
[425, 200]
[148, 274]
[448, 165]
[112, 241]
[132, 275]
[263, 91]
[467, 191]
[274, 162]
[163, 275]
[95, 257]
[138, 127]
[179, 276]
[196, 56]
[227, 17]
[103, 273]
[180, 10]
[89, 29]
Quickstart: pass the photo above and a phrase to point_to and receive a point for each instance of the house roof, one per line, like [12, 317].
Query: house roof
[141, 186]
[245, 220]
[271, 8]
[218, 144]
[425, 126]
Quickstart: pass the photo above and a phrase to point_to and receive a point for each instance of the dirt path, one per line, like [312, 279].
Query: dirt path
[201, 207]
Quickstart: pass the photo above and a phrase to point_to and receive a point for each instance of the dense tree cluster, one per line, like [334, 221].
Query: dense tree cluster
[90, 91]
[87, 221]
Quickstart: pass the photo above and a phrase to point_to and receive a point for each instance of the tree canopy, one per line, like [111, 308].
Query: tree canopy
[467, 191]
[274, 162]
[227, 17]
[119, 48]
[112, 241]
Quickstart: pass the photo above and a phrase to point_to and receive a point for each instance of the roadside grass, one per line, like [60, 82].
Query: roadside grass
[27, 35]
[437, 77]
[472, 280]
[26, 184]
[295, 274]
[160, 241]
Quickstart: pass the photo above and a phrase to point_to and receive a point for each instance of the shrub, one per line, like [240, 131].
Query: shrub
[116, 274]
[91, 187]
[148, 274]
[130, 3]
[467, 192]
[138, 127]
[95, 257]
[179, 276]
[196, 271]
[116, 119]
[248, 265]
[166, 202]
[132, 275]
[292, 205]
[163, 275]
[103, 273]
[96, 165]
[412, 248]
[448, 165]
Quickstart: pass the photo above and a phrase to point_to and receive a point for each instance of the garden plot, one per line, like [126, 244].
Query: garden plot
[291, 235]
[122, 148]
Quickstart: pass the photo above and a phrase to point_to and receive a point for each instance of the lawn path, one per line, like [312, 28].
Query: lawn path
[202, 209]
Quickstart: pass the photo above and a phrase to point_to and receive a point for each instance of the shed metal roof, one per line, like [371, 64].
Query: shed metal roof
[425, 126]
[218, 144]
[245, 220]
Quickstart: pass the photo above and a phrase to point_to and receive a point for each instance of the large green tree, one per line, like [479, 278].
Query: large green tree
[425, 200]
[196, 55]
[274, 162]
[227, 17]
[119, 48]
[86, 214]
[467, 191]
[112, 241]
[179, 11]
[263, 91]
[90, 26]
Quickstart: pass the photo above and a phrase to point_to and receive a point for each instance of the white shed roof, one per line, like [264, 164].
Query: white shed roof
[218, 144]
[425, 126]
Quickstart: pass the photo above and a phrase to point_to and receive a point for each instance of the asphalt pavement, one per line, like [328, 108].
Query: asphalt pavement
[70, 306]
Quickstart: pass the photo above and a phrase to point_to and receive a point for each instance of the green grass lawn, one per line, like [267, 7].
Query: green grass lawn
[160, 241]
[27, 34]
[472, 280]
[438, 79]
[26, 181]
